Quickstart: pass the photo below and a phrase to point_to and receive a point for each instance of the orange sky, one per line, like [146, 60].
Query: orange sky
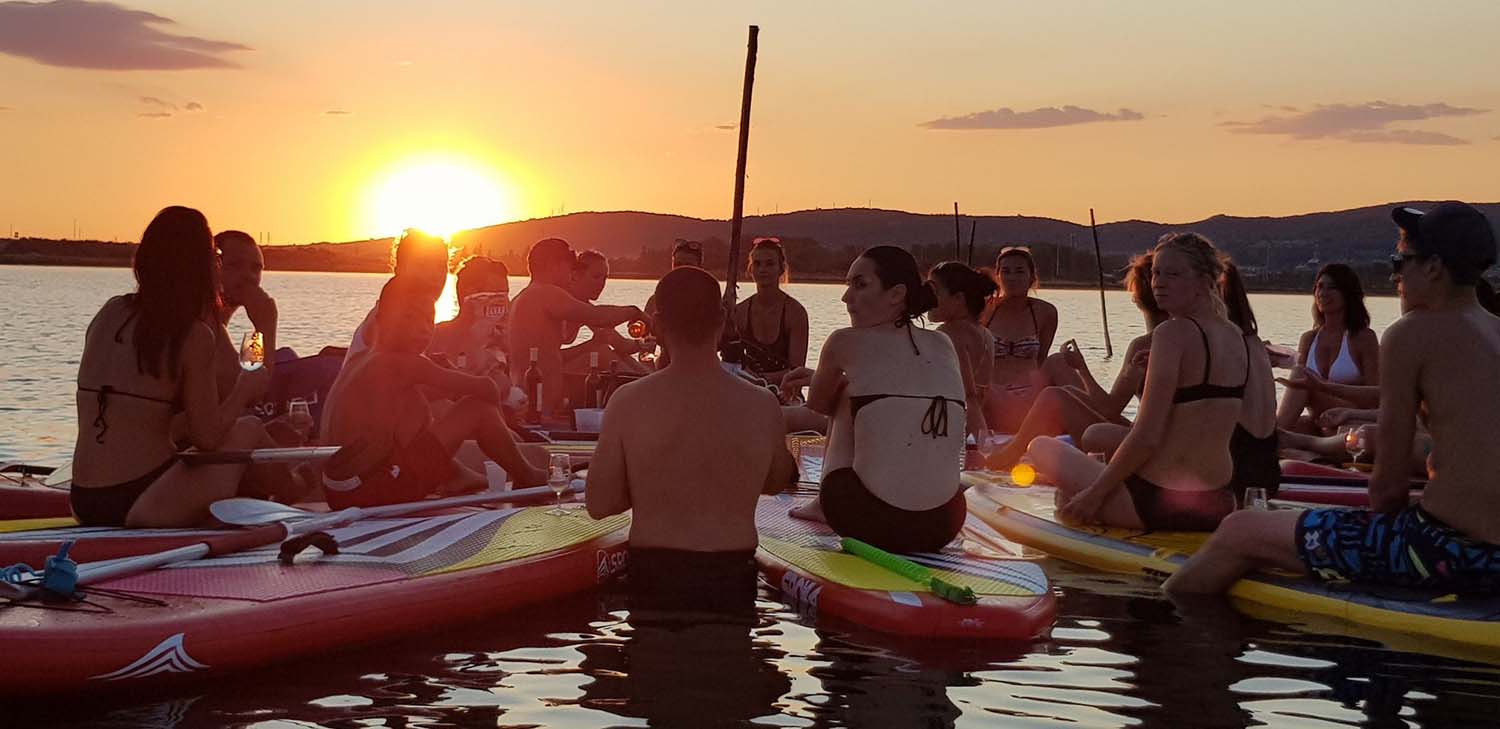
[292, 118]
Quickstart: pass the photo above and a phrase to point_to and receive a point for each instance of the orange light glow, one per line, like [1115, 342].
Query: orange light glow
[441, 195]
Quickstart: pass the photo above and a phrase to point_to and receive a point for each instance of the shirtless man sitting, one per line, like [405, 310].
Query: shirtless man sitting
[400, 453]
[541, 311]
[690, 448]
[1441, 356]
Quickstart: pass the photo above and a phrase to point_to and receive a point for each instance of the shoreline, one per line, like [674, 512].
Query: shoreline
[1067, 285]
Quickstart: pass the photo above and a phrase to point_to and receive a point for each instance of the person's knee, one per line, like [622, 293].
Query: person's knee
[1098, 437]
[1045, 448]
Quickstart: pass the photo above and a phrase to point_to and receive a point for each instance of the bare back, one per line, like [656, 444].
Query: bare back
[1181, 460]
[1455, 357]
[695, 450]
[382, 407]
[137, 435]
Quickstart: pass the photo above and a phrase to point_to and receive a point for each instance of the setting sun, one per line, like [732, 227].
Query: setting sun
[441, 196]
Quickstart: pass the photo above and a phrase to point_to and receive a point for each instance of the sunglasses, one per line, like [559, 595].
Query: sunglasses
[1398, 260]
[690, 245]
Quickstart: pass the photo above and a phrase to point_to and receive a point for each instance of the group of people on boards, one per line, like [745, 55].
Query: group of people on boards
[691, 442]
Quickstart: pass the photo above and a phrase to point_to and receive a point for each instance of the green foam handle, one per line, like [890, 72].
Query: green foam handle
[959, 594]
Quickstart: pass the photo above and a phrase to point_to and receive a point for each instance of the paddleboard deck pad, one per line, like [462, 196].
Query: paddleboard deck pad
[391, 576]
[1027, 516]
[803, 560]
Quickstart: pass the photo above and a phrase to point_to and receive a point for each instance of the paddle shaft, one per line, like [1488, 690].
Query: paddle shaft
[259, 455]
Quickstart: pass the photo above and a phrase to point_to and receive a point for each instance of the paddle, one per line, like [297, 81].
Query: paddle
[305, 522]
[242, 511]
[259, 455]
[958, 594]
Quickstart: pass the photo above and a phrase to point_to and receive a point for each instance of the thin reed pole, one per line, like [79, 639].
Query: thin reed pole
[1109, 348]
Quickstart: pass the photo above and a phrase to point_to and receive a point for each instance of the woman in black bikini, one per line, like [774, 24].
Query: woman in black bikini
[147, 356]
[896, 398]
[1175, 464]
[770, 326]
[1023, 327]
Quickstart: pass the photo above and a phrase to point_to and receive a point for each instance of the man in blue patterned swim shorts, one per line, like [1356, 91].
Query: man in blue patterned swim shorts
[1439, 359]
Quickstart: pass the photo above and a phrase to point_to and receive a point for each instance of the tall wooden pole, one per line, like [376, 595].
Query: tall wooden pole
[738, 221]
[973, 227]
[957, 236]
[1109, 349]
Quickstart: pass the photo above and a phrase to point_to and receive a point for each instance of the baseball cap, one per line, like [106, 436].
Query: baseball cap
[1455, 232]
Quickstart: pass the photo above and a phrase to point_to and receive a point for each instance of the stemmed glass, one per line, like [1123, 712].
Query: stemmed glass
[252, 352]
[984, 442]
[559, 477]
[299, 417]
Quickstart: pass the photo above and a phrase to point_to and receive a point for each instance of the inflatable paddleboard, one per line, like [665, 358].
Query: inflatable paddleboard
[803, 560]
[1026, 515]
[202, 619]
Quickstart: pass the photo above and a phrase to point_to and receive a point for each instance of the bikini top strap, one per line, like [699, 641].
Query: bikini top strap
[1208, 355]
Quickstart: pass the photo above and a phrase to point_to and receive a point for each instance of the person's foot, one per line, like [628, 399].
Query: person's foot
[811, 511]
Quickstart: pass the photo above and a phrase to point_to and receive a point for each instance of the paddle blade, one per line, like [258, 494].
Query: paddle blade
[242, 511]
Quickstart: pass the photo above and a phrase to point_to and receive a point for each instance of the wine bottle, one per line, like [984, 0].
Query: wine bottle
[533, 380]
[593, 385]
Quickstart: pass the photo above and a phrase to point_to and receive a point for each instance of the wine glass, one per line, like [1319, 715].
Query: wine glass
[1357, 441]
[984, 442]
[253, 352]
[559, 478]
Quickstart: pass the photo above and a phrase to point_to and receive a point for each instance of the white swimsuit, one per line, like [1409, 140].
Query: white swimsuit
[1344, 371]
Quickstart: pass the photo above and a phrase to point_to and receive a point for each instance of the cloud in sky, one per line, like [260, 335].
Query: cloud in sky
[193, 106]
[1367, 122]
[155, 114]
[154, 101]
[1050, 116]
[336, 112]
[8, 108]
[726, 127]
[102, 35]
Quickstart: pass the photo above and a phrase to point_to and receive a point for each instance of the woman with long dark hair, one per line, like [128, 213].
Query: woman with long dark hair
[896, 397]
[147, 356]
[1341, 348]
[961, 295]
[1023, 327]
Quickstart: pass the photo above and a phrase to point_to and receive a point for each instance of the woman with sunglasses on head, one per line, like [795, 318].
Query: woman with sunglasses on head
[896, 397]
[1074, 410]
[1174, 468]
[769, 327]
[1023, 328]
[1341, 349]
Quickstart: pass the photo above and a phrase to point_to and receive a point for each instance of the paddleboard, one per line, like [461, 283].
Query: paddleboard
[201, 619]
[1027, 516]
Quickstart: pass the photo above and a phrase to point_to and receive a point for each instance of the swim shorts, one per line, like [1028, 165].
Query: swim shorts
[679, 580]
[415, 471]
[854, 512]
[1410, 548]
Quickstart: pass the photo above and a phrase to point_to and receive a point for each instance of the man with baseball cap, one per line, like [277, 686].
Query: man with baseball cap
[1439, 359]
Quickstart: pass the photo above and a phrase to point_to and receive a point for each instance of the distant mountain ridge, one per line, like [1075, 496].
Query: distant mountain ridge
[1364, 233]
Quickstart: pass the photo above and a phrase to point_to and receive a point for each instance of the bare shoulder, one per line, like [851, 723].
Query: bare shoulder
[1306, 340]
[1366, 338]
[200, 337]
[1173, 333]
[1044, 308]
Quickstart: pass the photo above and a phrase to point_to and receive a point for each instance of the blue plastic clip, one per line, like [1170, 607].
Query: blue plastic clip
[60, 578]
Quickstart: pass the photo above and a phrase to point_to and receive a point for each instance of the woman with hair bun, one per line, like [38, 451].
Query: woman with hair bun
[961, 294]
[1174, 468]
[1023, 327]
[896, 397]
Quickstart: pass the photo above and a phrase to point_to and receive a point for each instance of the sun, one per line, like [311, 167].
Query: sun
[439, 195]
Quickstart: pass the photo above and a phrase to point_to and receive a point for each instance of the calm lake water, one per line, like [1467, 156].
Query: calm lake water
[1119, 656]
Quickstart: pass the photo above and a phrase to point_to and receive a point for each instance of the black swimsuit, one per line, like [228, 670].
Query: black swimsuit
[1180, 509]
[109, 505]
[760, 357]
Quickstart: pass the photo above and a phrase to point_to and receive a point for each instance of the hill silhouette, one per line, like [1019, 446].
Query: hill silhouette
[821, 242]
